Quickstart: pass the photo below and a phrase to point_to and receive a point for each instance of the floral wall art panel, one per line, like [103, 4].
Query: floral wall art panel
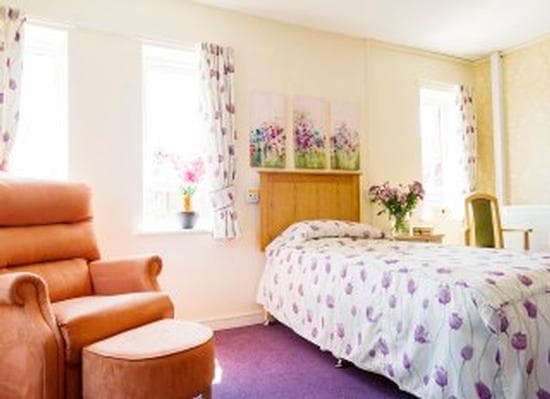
[267, 130]
[344, 141]
[309, 124]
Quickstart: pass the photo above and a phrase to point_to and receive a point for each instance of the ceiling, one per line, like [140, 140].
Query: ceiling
[463, 28]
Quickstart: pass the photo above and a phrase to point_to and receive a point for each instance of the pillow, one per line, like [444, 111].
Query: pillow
[313, 229]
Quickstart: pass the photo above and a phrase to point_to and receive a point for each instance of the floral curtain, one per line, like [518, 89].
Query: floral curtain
[11, 37]
[217, 71]
[468, 132]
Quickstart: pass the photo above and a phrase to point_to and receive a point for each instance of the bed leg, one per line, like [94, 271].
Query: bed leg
[269, 320]
[341, 363]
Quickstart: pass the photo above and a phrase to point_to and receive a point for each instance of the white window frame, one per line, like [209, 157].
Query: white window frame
[173, 59]
[448, 202]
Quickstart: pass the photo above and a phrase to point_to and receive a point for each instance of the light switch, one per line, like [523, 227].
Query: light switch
[252, 196]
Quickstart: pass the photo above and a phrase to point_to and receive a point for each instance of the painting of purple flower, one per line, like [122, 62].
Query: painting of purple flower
[267, 142]
[344, 142]
[309, 141]
[519, 341]
[543, 394]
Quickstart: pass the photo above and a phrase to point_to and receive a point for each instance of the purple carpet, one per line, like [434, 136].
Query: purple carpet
[273, 362]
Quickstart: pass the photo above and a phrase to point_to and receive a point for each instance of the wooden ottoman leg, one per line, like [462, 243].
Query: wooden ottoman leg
[207, 394]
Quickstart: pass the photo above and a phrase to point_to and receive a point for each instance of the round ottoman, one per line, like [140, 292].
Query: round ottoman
[168, 359]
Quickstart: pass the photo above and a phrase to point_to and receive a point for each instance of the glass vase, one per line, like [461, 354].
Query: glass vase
[400, 226]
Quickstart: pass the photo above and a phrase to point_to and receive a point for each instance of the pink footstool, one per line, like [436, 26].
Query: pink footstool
[168, 359]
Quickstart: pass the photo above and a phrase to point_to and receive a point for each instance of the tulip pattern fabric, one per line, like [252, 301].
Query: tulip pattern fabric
[440, 321]
[468, 131]
[217, 70]
[12, 24]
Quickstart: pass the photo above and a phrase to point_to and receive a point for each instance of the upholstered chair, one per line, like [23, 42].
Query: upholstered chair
[56, 295]
[483, 227]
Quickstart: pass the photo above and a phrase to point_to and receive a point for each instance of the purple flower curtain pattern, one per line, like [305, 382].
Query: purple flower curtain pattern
[468, 130]
[12, 23]
[217, 70]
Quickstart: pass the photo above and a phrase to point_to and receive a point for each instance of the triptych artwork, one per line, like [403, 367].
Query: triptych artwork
[323, 133]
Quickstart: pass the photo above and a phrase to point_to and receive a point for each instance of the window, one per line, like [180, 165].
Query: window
[41, 147]
[444, 179]
[171, 129]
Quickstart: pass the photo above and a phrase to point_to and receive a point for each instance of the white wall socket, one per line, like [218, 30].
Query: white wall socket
[252, 196]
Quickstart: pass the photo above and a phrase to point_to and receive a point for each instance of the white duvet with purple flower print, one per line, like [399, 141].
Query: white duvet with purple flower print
[441, 321]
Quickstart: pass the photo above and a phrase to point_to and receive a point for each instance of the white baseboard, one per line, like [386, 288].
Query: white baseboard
[234, 321]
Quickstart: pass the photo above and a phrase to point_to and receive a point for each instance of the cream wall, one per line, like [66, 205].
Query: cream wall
[207, 279]
[526, 93]
[394, 76]
[526, 85]
[484, 113]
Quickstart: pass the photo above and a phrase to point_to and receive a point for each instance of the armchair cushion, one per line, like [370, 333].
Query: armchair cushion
[33, 202]
[88, 319]
[32, 244]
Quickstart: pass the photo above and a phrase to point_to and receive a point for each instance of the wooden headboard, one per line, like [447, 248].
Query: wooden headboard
[287, 197]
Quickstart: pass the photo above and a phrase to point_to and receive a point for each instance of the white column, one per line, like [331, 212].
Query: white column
[498, 126]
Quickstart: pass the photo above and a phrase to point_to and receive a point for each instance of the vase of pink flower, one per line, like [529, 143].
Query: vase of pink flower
[398, 202]
[190, 174]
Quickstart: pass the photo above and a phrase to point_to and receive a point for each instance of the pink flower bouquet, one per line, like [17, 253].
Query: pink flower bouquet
[398, 202]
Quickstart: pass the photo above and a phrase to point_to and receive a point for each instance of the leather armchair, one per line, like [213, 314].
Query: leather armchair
[56, 294]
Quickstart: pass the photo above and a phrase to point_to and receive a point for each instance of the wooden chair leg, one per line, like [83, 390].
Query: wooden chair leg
[526, 241]
[207, 394]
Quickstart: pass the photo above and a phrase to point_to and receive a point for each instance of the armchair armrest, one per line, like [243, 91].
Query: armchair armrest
[29, 337]
[125, 275]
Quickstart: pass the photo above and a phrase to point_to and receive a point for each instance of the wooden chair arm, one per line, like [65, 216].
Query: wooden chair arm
[517, 230]
[525, 231]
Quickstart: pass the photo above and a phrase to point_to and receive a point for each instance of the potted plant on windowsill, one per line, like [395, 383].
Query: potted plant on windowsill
[190, 174]
[399, 202]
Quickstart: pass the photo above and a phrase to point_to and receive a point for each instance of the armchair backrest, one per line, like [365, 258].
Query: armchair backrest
[46, 228]
[482, 220]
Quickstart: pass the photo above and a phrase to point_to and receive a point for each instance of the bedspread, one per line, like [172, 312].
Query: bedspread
[440, 321]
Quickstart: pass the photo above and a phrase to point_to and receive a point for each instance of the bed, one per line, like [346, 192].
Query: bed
[440, 321]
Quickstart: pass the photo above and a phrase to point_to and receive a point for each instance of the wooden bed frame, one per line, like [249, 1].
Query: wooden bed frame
[287, 197]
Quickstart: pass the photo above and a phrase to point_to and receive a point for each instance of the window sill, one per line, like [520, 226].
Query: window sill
[153, 231]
